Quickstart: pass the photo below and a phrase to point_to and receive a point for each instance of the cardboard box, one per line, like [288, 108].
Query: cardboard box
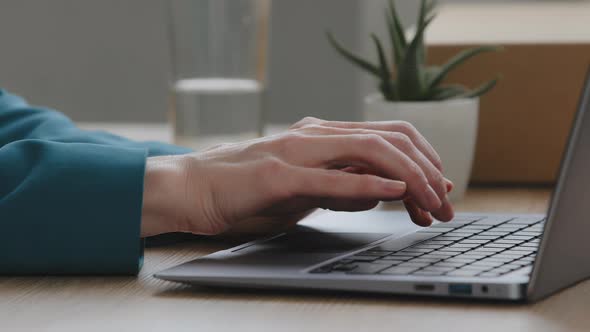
[525, 121]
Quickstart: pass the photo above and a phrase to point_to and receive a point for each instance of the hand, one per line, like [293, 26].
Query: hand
[277, 180]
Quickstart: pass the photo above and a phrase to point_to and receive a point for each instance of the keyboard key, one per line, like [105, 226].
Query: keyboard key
[344, 267]
[500, 259]
[489, 275]
[441, 269]
[448, 264]
[414, 264]
[519, 237]
[528, 233]
[460, 273]
[439, 255]
[441, 242]
[415, 251]
[494, 233]
[476, 227]
[412, 252]
[512, 266]
[428, 246]
[387, 261]
[457, 249]
[464, 220]
[449, 238]
[398, 270]
[471, 240]
[509, 241]
[363, 258]
[472, 255]
[460, 260]
[484, 237]
[490, 264]
[425, 260]
[525, 220]
[488, 249]
[403, 257]
[368, 268]
[465, 232]
[493, 221]
[447, 225]
[499, 245]
[476, 269]
[464, 245]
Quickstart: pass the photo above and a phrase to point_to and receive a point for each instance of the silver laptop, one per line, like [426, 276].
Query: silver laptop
[507, 257]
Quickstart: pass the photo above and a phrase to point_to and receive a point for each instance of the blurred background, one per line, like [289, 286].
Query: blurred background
[108, 60]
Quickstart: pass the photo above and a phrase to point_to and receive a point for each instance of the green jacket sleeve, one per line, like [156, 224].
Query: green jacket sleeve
[70, 200]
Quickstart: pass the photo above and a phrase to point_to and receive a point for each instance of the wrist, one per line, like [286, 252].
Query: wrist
[163, 194]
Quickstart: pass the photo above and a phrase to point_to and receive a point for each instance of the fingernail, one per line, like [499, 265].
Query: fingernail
[395, 186]
[432, 199]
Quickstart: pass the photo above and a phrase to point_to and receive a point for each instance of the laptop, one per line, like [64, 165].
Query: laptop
[483, 256]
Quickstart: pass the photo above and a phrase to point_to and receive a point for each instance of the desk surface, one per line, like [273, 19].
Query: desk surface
[146, 304]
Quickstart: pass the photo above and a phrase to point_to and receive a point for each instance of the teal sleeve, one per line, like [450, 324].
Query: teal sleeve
[70, 200]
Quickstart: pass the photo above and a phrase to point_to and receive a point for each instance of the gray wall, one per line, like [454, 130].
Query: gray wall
[95, 60]
[108, 60]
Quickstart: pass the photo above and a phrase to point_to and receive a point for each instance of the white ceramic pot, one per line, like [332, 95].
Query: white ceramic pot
[450, 126]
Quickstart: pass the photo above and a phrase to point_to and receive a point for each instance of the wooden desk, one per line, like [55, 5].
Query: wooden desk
[146, 304]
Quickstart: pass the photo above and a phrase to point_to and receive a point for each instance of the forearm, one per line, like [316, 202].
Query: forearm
[70, 208]
[19, 121]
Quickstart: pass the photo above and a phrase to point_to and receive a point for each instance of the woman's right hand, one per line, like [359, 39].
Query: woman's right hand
[276, 180]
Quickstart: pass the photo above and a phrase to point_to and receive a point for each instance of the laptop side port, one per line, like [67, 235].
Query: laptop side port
[460, 289]
[424, 287]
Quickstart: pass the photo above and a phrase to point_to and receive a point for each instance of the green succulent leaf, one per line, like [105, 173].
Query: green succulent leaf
[397, 49]
[410, 71]
[364, 64]
[386, 80]
[482, 89]
[397, 33]
[457, 60]
[425, 17]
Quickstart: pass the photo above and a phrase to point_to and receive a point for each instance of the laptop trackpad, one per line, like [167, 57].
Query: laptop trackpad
[316, 242]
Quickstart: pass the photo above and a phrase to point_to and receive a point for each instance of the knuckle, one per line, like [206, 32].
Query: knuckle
[305, 121]
[271, 165]
[415, 173]
[286, 142]
[311, 127]
[402, 141]
[372, 141]
[407, 128]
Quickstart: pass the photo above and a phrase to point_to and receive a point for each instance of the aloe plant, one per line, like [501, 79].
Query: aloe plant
[408, 77]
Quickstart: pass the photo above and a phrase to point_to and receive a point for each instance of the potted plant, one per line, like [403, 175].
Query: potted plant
[412, 91]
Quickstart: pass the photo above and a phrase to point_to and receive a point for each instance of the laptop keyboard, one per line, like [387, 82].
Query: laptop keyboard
[486, 247]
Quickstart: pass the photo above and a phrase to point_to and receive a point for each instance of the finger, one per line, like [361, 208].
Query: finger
[418, 216]
[400, 141]
[392, 126]
[369, 151]
[450, 185]
[445, 213]
[335, 184]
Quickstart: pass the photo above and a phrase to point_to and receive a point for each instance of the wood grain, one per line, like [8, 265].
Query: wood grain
[146, 304]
